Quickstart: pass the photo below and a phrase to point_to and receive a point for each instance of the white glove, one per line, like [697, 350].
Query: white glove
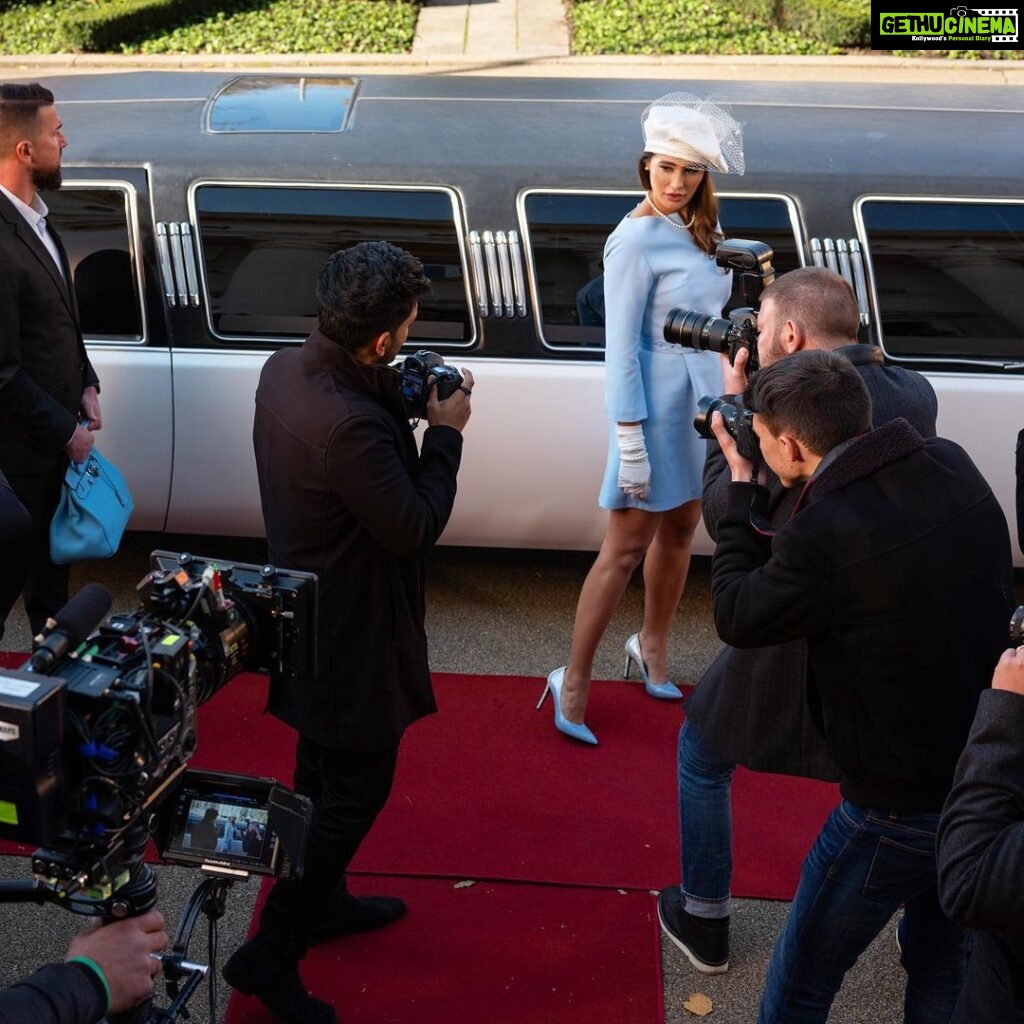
[634, 469]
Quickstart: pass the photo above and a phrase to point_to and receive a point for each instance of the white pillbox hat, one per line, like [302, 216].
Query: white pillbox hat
[682, 126]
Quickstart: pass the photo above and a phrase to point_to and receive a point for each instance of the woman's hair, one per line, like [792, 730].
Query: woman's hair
[703, 207]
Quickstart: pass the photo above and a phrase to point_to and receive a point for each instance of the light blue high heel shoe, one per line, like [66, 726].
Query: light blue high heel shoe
[562, 724]
[662, 691]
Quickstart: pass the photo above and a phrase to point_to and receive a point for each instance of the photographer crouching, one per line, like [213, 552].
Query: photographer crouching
[108, 969]
[896, 568]
[345, 495]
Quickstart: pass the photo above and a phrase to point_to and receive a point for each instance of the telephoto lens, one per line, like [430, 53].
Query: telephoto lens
[697, 330]
[1017, 627]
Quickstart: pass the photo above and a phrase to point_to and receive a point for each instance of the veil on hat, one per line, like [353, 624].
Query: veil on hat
[726, 129]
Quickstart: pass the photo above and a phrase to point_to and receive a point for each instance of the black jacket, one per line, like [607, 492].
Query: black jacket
[981, 860]
[896, 569]
[744, 690]
[69, 993]
[346, 495]
[43, 364]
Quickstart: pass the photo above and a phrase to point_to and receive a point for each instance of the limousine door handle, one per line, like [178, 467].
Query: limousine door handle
[847, 259]
[504, 265]
[491, 260]
[476, 262]
[496, 259]
[518, 278]
[860, 285]
[178, 263]
[164, 255]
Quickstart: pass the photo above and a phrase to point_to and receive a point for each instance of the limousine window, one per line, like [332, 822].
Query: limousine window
[948, 277]
[95, 226]
[262, 247]
[273, 103]
[565, 234]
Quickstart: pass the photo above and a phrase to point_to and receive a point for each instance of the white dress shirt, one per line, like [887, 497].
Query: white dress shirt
[35, 216]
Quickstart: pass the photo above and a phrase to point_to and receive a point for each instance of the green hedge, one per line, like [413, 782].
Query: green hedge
[103, 26]
[684, 26]
[205, 26]
[835, 22]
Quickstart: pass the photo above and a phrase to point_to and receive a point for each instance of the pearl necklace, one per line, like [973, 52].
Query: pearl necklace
[682, 225]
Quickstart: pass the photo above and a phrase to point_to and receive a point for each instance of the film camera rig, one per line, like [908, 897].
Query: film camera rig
[99, 725]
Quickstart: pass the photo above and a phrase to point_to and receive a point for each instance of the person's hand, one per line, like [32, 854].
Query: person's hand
[634, 466]
[734, 376]
[78, 448]
[635, 478]
[742, 469]
[455, 410]
[1009, 673]
[122, 951]
[90, 407]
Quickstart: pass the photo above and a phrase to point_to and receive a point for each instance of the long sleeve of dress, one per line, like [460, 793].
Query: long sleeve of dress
[628, 280]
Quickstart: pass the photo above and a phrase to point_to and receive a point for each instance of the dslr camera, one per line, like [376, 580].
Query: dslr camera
[753, 262]
[737, 418]
[417, 371]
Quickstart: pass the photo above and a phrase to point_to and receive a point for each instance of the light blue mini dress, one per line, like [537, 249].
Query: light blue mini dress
[650, 268]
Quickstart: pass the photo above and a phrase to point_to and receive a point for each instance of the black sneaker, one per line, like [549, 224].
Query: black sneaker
[255, 970]
[704, 940]
[353, 914]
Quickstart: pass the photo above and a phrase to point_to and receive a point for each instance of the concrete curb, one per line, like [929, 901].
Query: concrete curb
[906, 70]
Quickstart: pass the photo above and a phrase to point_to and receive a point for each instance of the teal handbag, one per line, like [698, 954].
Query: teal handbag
[94, 507]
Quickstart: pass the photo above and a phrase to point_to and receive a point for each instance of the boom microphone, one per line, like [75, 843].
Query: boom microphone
[71, 625]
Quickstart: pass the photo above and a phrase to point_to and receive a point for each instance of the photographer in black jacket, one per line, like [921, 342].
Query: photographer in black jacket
[806, 309]
[108, 969]
[896, 568]
[346, 495]
[981, 851]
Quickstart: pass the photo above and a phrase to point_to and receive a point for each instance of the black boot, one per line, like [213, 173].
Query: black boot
[350, 915]
[256, 970]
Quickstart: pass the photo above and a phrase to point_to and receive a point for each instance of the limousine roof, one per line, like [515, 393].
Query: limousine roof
[565, 132]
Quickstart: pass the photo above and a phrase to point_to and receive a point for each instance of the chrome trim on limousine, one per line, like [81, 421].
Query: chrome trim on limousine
[538, 314]
[131, 201]
[458, 229]
[858, 220]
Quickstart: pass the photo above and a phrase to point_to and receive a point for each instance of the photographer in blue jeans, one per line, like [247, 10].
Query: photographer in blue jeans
[895, 567]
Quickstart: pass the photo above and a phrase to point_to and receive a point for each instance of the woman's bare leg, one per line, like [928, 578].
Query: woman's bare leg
[629, 533]
[665, 571]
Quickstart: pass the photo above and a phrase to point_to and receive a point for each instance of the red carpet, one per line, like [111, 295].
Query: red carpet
[491, 790]
[518, 954]
[487, 791]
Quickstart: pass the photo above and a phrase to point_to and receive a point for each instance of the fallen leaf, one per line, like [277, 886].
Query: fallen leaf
[698, 1004]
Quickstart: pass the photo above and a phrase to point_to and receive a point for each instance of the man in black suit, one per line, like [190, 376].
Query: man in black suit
[347, 495]
[49, 392]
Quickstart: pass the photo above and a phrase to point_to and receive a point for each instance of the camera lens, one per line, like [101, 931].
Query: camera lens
[697, 330]
[705, 409]
[1017, 627]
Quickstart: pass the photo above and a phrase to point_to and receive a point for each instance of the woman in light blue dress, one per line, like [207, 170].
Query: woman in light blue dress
[660, 257]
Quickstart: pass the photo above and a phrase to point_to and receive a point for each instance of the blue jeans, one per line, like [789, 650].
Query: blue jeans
[862, 867]
[705, 826]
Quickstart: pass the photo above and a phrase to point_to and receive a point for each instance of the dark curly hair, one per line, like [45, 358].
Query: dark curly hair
[367, 289]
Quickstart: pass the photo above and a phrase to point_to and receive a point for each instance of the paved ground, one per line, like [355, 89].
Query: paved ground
[507, 612]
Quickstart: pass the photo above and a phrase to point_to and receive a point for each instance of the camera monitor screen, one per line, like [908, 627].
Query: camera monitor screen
[223, 820]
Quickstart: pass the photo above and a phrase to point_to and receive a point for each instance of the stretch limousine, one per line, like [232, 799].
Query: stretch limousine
[198, 209]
